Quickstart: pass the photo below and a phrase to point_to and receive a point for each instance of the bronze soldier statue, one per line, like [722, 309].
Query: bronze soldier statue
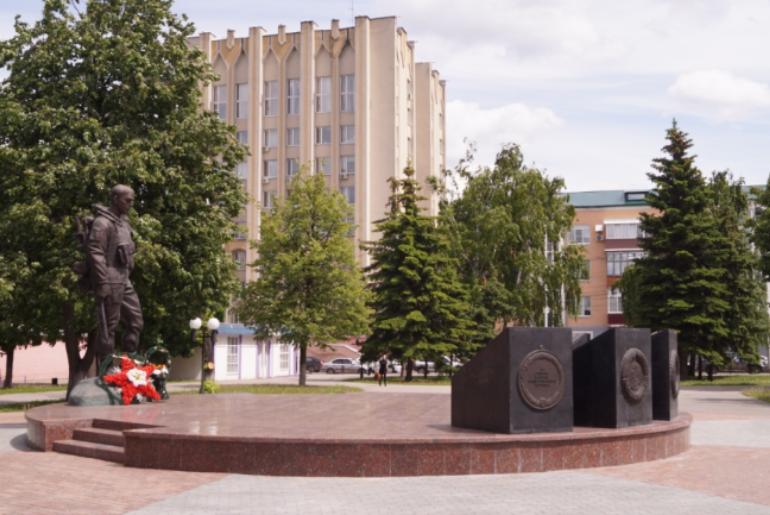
[110, 249]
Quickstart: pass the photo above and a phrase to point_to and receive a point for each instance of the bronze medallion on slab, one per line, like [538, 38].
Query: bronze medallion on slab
[634, 375]
[673, 373]
[541, 380]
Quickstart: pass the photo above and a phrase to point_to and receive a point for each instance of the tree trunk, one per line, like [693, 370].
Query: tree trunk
[409, 367]
[303, 364]
[8, 382]
[700, 368]
[691, 366]
[684, 372]
[79, 367]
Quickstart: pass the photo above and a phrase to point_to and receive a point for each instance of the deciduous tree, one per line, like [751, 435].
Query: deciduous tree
[102, 93]
[309, 289]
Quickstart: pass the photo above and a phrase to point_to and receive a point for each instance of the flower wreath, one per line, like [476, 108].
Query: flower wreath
[133, 380]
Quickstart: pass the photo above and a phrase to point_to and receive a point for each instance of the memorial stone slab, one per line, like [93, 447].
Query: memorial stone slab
[665, 375]
[521, 382]
[612, 379]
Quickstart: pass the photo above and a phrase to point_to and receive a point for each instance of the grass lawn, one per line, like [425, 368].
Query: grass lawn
[33, 388]
[733, 380]
[23, 406]
[416, 379]
[276, 389]
[763, 394]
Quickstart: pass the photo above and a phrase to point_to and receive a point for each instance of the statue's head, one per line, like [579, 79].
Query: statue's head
[122, 197]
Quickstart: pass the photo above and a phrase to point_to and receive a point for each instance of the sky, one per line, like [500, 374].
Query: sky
[587, 88]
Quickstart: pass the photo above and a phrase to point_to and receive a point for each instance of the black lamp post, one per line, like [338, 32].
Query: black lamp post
[207, 346]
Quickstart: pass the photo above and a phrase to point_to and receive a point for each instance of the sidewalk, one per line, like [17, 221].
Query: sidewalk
[726, 471]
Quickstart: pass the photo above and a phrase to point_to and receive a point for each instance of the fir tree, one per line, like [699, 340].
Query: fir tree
[419, 304]
[309, 290]
[680, 282]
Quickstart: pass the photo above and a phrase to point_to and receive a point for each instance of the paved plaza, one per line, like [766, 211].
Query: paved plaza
[727, 470]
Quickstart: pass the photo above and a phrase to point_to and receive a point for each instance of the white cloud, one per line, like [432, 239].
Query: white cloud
[720, 94]
[490, 128]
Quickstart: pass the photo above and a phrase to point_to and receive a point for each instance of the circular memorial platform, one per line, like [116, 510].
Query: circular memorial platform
[359, 434]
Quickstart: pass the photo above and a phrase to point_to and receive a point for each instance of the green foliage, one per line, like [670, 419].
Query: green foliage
[761, 228]
[210, 386]
[699, 275]
[99, 97]
[309, 288]
[419, 304]
[506, 226]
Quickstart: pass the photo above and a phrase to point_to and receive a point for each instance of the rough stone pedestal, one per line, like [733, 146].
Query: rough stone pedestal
[612, 379]
[521, 382]
[89, 393]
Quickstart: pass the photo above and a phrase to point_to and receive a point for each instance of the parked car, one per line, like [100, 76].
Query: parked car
[394, 366]
[341, 366]
[419, 366]
[313, 364]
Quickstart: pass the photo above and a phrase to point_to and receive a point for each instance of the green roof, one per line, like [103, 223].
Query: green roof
[607, 198]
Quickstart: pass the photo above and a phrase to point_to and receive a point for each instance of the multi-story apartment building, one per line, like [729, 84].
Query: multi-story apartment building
[607, 225]
[351, 103]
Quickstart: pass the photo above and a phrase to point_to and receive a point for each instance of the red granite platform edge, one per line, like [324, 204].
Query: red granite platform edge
[356, 459]
[41, 433]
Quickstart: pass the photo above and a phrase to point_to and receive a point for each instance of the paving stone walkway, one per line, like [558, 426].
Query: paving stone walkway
[727, 471]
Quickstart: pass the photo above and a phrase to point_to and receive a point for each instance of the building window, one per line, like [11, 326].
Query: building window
[617, 262]
[239, 256]
[241, 101]
[242, 170]
[219, 101]
[347, 134]
[323, 95]
[285, 354]
[243, 137]
[347, 93]
[268, 199]
[585, 271]
[347, 166]
[292, 167]
[233, 353]
[292, 97]
[323, 165]
[231, 316]
[585, 306]
[323, 135]
[580, 235]
[622, 231]
[349, 192]
[292, 136]
[271, 97]
[271, 138]
[270, 171]
[614, 301]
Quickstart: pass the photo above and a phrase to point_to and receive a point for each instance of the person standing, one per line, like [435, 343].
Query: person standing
[383, 371]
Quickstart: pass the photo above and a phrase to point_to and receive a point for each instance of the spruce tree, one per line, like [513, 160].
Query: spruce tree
[419, 305]
[680, 282]
[746, 318]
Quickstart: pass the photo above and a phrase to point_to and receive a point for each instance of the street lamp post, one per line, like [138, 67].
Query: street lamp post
[207, 345]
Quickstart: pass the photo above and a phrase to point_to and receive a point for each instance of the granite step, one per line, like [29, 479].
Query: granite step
[91, 450]
[116, 425]
[99, 435]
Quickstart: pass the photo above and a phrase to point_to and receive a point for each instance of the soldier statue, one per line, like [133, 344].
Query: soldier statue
[110, 249]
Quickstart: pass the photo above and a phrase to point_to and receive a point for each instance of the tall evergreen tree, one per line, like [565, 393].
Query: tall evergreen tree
[506, 225]
[746, 318]
[309, 289]
[108, 92]
[680, 282]
[419, 304]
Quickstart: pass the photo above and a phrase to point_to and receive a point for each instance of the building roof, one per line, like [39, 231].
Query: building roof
[607, 198]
